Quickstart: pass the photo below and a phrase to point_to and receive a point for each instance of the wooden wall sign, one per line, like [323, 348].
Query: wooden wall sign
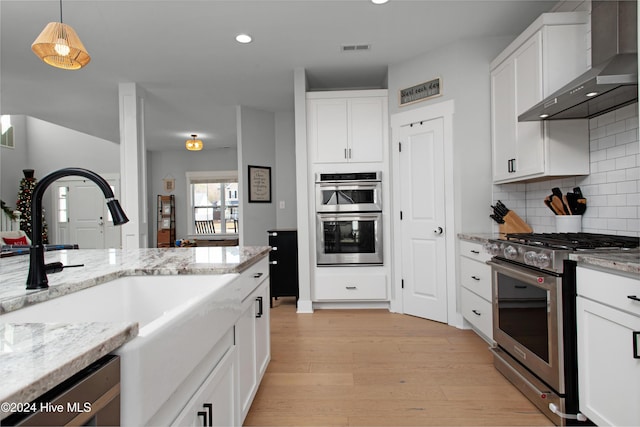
[421, 92]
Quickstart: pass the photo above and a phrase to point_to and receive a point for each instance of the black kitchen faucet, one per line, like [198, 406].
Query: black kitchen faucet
[37, 278]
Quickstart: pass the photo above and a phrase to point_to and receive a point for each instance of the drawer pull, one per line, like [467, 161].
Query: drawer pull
[633, 297]
[274, 234]
[351, 288]
[475, 278]
[257, 275]
[273, 262]
[476, 312]
[636, 346]
[520, 287]
[274, 248]
[260, 312]
[473, 251]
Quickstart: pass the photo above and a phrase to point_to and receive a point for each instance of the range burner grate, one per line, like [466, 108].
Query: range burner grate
[575, 241]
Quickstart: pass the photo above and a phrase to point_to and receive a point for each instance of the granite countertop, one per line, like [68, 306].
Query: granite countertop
[35, 357]
[478, 237]
[618, 261]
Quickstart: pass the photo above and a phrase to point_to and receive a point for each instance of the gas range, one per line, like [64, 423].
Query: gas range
[547, 251]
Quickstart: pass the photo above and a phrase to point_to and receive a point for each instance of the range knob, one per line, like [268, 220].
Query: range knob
[492, 248]
[542, 260]
[510, 252]
[530, 258]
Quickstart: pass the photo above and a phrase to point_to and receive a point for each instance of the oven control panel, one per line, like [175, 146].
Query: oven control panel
[535, 257]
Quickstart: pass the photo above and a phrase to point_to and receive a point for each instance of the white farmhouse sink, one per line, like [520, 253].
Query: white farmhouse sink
[180, 318]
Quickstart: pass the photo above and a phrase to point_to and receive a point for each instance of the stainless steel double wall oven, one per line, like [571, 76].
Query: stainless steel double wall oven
[349, 218]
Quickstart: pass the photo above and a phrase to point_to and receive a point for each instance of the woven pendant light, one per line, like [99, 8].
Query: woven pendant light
[59, 46]
[193, 144]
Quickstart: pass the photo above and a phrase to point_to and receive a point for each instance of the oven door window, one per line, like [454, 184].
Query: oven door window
[349, 236]
[347, 197]
[523, 314]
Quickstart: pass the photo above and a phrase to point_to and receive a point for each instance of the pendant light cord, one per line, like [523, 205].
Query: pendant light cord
[61, 11]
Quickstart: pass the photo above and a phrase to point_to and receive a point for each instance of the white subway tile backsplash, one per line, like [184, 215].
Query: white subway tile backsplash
[612, 189]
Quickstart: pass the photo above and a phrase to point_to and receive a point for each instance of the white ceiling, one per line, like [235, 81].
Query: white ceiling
[183, 54]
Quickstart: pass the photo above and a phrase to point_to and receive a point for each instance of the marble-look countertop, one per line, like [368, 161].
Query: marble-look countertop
[618, 261]
[478, 237]
[103, 265]
[35, 357]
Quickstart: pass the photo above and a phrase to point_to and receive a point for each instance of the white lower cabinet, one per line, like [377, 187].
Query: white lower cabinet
[475, 282]
[253, 342]
[351, 287]
[608, 314]
[215, 403]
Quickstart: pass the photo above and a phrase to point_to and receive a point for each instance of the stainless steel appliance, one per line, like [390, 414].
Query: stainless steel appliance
[349, 218]
[534, 315]
[612, 80]
[353, 238]
[349, 192]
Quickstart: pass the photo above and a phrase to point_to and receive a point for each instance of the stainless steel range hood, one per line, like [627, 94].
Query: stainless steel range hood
[612, 82]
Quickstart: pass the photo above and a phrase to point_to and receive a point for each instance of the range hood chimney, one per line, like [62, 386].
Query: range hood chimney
[612, 82]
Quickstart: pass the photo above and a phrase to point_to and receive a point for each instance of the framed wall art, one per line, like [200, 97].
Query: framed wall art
[259, 184]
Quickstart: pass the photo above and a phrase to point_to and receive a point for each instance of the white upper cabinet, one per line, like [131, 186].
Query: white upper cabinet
[551, 52]
[347, 126]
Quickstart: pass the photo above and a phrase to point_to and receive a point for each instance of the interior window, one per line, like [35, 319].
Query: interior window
[214, 203]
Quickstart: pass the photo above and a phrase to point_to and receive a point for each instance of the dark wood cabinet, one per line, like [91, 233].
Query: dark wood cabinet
[283, 263]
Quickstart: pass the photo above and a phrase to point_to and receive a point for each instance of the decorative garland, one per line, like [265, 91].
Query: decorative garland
[8, 210]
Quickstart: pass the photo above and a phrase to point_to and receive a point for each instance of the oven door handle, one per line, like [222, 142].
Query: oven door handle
[535, 278]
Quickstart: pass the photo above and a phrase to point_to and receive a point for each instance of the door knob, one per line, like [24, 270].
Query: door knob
[100, 221]
[438, 230]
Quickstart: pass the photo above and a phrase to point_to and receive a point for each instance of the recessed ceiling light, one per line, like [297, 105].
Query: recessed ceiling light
[243, 38]
[379, 1]
[590, 94]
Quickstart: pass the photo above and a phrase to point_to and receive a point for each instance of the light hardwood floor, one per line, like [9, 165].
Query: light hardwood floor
[375, 368]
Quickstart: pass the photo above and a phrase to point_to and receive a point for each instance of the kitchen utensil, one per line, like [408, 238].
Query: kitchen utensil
[572, 201]
[557, 205]
[578, 192]
[547, 201]
[565, 201]
[558, 193]
[581, 206]
[497, 218]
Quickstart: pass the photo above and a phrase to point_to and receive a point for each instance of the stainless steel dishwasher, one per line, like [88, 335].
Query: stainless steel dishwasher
[89, 398]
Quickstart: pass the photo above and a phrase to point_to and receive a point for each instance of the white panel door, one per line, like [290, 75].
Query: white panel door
[423, 218]
[86, 215]
[328, 130]
[89, 223]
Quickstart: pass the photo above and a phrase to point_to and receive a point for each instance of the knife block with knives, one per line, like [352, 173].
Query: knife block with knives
[508, 220]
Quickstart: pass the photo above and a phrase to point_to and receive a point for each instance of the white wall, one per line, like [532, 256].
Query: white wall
[464, 70]
[46, 147]
[256, 147]
[164, 164]
[285, 176]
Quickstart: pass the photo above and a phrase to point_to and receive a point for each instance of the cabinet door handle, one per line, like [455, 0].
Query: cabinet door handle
[273, 262]
[349, 152]
[345, 153]
[633, 297]
[476, 312]
[475, 278]
[204, 418]
[274, 248]
[473, 251]
[273, 234]
[258, 275]
[351, 288]
[260, 312]
[636, 346]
